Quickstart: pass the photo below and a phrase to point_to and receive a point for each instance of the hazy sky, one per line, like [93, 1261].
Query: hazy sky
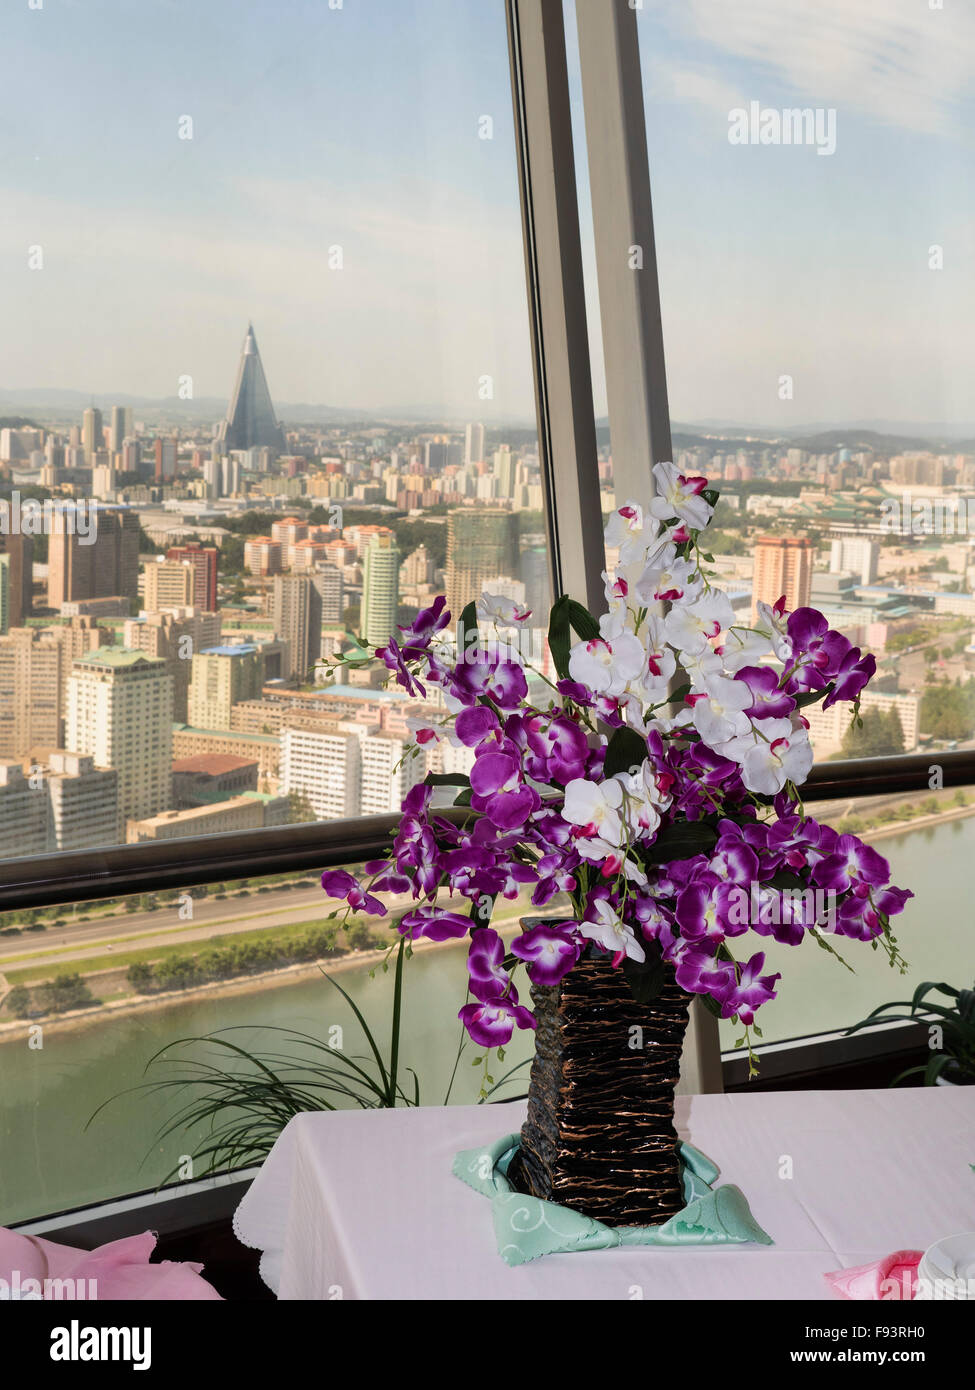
[358, 127]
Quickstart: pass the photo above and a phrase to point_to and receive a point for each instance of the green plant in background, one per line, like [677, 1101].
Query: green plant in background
[244, 1097]
[954, 1059]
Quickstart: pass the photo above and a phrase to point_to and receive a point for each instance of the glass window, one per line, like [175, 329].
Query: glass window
[810, 221]
[267, 388]
[91, 992]
[921, 835]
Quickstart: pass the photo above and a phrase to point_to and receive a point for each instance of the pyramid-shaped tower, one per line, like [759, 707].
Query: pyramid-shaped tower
[251, 420]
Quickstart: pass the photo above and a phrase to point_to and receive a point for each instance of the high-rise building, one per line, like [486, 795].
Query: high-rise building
[174, 636]
[386, 772]
[120, 713]
[783, 565]
[474, 444]
[328, 581]
[416, 569]
[4, 594]
[31, 691]
[82, 801]
[482, 545]
[165, 453]
[131, 460]
[504, 472]
[92, 433]
[380, 589]
[203, 558]
[97, 565]
[167, 584]
[320, 763]
[219, 678]
[296, 611]
[262, 555]
[20, 551]
[117, 428]
[855, 555]
[23, 813]
[251, 421]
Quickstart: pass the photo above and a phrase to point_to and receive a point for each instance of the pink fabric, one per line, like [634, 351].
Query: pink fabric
[119, 1270]
[895, 1276]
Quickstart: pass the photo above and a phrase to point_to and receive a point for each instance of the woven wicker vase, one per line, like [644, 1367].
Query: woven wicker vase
[599, 1136]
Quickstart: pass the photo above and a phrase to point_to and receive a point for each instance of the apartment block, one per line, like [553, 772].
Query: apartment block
[250, 811]
[82, 801]
[167, 584]
[23, 813]
[120, 712]
[321, 762]
[220, 677]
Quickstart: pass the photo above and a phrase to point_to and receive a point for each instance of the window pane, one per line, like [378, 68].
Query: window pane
[921, 836]
[267, 377]
[813, 196]
[93, 991]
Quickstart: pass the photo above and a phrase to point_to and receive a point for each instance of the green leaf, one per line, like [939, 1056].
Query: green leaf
[447, 779]
[625, 749]
[681, 840]
[582, 622]
[712, 1005]
[467, 625]
[812, 697]
[680, 694]
[558, 636]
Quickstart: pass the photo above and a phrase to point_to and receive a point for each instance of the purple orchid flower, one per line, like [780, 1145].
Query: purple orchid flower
[851, 676]
[851, 863]
[551, 948]
[491, 1022]
[476, 726]
[499, 792]
[479, 675]
[435, 923]
[750, 991]
[339, 883]
[487, 979]
[768, 700]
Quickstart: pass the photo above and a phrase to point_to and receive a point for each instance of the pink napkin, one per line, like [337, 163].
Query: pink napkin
[119, 1270]
[895, 1276]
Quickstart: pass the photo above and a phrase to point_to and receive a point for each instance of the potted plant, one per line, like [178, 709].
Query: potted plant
[653, 787]
[951, 1037]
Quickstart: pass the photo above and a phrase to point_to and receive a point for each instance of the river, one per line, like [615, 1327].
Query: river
[50, 1162]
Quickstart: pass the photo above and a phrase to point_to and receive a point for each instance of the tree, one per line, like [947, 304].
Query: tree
[18, 1001]
[300, 809]
[877, 735]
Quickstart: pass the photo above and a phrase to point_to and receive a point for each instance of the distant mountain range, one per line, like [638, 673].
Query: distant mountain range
[45, 404]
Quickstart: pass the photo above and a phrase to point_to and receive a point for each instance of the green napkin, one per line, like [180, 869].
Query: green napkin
[528, 1227]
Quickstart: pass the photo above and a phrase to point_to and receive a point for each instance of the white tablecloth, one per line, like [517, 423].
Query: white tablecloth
[363, 1204]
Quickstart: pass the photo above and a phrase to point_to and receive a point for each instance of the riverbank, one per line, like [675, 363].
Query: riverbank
[904, 827]
[76, 1019]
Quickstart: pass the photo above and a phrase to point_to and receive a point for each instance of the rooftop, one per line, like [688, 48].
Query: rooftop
[212, 764]
[118, 657]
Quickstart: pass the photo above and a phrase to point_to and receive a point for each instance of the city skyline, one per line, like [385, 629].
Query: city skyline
[772, 261]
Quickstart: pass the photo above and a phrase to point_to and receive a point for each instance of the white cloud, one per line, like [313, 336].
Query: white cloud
[897, 61]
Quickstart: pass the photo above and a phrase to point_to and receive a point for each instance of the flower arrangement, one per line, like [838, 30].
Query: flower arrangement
[655, 783]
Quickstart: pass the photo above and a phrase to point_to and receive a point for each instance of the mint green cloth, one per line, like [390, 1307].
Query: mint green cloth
[528, 1227]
